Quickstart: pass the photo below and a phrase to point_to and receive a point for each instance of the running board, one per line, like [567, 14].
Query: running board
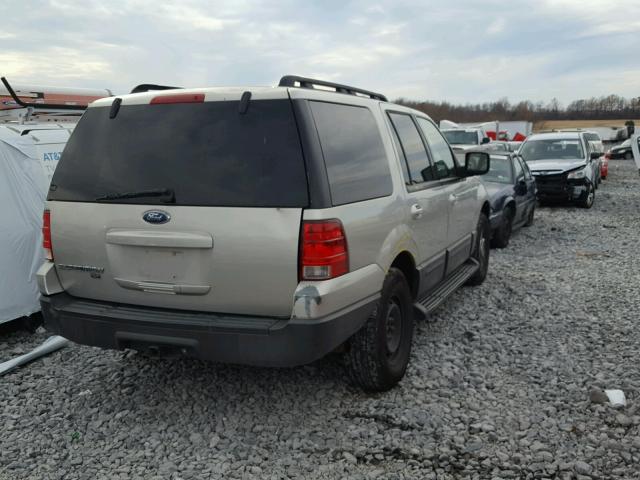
[435, 298]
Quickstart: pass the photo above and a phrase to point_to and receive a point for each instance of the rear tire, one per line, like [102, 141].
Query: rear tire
[481, 250]
[379, 352]
[503, 233]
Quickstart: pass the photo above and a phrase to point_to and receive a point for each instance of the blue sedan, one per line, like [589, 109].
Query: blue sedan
[512, 194]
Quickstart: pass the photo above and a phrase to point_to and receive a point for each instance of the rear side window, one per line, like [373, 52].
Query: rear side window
[443, 159]
[206, 153]
[353, 151]
[413, 148]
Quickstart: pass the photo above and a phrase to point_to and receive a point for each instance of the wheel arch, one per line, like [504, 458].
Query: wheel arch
[405, 262]
[486, 208]
[510, 203]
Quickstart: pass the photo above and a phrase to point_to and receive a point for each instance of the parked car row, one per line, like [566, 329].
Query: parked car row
[559, 166]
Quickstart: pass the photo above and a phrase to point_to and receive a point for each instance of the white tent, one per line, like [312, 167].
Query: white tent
[29, 154]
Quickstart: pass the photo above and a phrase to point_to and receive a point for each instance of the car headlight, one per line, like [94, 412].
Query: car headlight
[578, 174]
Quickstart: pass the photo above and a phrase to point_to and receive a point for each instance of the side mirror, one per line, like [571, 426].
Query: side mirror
[521, 187]
[595, 155]
[476, 163]
[485, 140]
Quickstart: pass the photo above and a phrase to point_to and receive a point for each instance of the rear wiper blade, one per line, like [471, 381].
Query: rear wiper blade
[158, 192]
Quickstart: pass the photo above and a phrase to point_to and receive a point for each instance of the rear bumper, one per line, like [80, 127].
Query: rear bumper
[224, 338]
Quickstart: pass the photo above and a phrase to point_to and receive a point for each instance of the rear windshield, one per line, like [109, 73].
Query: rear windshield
[460, 137]
[202, 153]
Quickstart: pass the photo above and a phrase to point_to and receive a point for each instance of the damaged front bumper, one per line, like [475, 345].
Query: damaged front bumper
[559, 188]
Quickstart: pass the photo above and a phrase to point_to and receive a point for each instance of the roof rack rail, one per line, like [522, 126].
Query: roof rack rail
[145, 87]
[303, 82]
[39, 106]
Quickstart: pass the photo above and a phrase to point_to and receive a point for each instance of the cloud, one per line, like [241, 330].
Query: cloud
[497, 26]
[71, 64]
[190, 17]
[462, 51]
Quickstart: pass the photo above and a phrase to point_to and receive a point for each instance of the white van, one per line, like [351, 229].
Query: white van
[35, 124]
[29, 154]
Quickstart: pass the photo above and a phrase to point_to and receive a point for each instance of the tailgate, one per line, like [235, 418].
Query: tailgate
[227, 260]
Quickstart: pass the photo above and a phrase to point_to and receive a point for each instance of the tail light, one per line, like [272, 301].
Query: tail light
[323, 250]
[178, 98]
[46, 235]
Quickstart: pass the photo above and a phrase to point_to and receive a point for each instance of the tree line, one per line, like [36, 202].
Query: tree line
[595, 108]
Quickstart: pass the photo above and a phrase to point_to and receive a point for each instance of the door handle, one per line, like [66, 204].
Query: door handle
[453, 198]
[416, 210]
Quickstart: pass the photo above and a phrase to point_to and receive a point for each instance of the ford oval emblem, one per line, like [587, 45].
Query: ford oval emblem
[157, 217]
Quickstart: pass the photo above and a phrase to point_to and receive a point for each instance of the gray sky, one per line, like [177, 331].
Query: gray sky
[460, 51]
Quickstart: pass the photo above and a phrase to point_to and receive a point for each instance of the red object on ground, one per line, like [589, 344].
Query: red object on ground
[604, 166]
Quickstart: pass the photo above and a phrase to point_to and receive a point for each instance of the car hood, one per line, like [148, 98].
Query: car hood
[555, 166]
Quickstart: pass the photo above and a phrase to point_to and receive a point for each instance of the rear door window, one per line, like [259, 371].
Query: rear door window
[413, 148]
[205, 153]
[356, 161]
[443, 159]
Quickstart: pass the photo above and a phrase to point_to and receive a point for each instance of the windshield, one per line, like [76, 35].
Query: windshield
[499, 170]
[557, 149]
[460, 137]
[185, 154]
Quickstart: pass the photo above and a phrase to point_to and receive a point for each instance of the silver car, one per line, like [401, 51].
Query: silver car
[262, 226]
[565, 164]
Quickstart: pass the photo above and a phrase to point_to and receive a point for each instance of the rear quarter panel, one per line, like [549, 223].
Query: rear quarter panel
[377, 229]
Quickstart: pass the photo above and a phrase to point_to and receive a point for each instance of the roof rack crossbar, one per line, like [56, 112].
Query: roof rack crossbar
[311, 83]
[39, 106]
[146, 87]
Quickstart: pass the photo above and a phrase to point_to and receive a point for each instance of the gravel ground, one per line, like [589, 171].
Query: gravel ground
[499, 384]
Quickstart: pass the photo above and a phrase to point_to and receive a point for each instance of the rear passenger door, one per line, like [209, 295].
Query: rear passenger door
[426, 199]
[461, 193]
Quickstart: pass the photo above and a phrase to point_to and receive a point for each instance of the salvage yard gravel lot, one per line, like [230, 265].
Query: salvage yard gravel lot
[498, 385]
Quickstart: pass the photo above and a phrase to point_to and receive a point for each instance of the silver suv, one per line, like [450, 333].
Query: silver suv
[566, 165]
[263, 226]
